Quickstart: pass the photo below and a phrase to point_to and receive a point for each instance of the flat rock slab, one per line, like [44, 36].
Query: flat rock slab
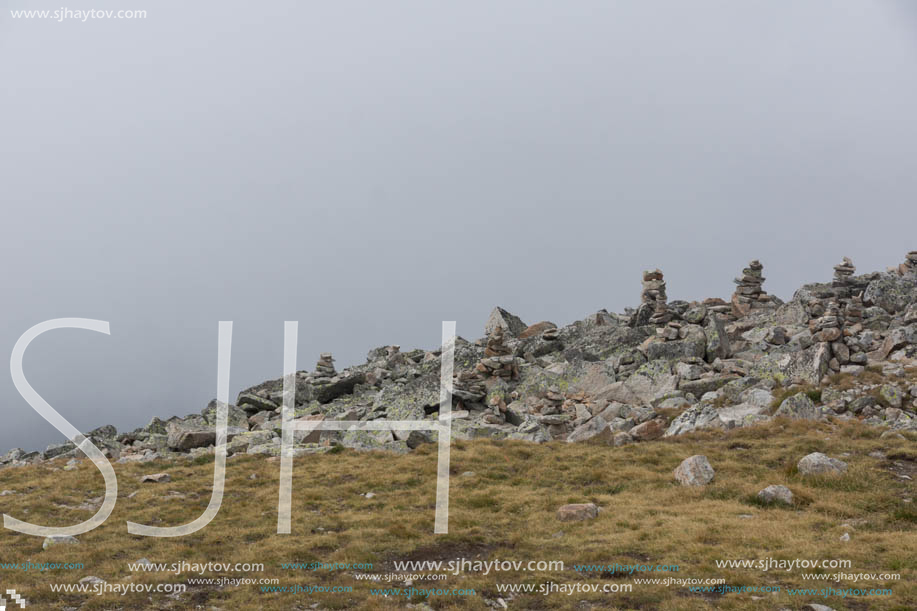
[577, 512]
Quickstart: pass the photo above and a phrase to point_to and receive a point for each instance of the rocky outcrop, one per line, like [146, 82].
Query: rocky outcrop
[663, 369]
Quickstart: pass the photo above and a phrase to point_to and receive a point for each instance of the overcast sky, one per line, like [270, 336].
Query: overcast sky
[373, 168]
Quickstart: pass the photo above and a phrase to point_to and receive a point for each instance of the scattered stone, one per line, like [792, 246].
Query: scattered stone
[776, 494]
[694, 471]
[817, 463]
[59, 540]
[577, 512]
[156, 478]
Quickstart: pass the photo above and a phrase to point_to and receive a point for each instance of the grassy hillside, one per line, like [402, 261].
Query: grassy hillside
[504, 497]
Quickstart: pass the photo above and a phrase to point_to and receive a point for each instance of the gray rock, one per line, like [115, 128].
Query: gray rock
[717, 339]
[817, 463]
[890, 396]
[59, 540]
[156, 478]
[689, 371]
[253, 403]
[596, 428]
[511, 323]
[57, 449]
[776, 494]
[694, 471]
[799, 407]
[890, 292]
[695, 418]
[577, 512]
[702, 386]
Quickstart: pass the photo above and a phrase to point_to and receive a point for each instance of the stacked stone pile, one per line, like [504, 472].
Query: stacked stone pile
[467, 386]
[853, 314]
[498, 358]
[749, 293]
[324, 368]
[827, 328]
[654, 295]
[909, 266]
[842, 282]
[552, 402]
[496, 411]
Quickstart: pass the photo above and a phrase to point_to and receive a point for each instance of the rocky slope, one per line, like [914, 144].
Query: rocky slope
[844, 349]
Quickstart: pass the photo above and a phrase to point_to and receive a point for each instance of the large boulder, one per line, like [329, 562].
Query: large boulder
[595, 428]
[890, 292]
[717, 339]
[341, 384]
[693, 345]
[776, 494]
[511, 323]
[799, 407]
[809, 365]
[698, 417]
[647, 431]
[694, 471]
[817, 463]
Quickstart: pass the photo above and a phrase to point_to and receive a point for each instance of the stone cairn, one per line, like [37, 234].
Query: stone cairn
[496, 411]
[324, 368]
[848, 295]
[654, 295]
[749, 293]
[842, 283]
[827, 327]
[468, 387]
[909, 267]
[498, 358]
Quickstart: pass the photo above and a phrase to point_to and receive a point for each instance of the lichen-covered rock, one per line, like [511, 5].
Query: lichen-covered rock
[717, 339]
[698, 417]
[890, 396]
[799, 407]
[890, 292]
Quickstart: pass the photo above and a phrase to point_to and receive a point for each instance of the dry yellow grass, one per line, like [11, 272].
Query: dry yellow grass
[505, 510]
